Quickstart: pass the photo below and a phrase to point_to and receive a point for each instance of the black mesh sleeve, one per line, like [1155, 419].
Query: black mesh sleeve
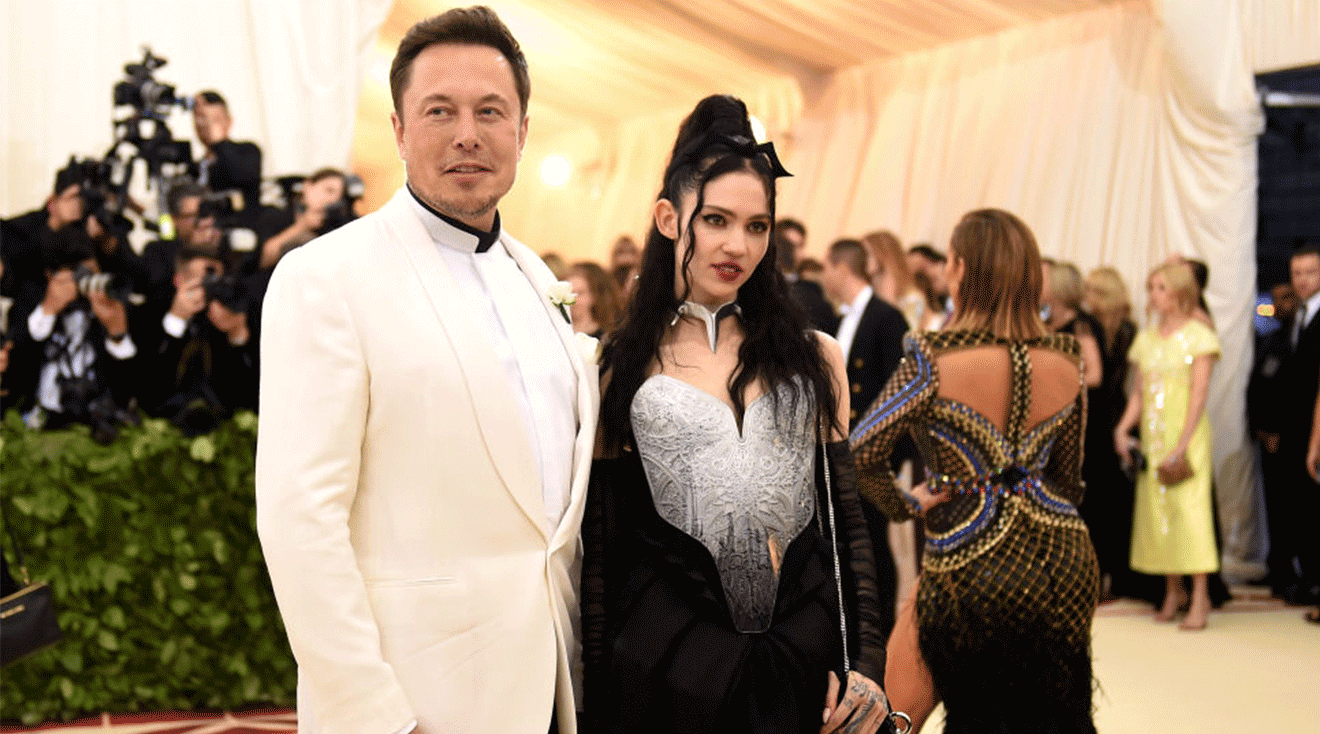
[855, 541]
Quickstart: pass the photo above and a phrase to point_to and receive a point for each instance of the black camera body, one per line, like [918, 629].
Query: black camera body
[228, 289]
[114, 285]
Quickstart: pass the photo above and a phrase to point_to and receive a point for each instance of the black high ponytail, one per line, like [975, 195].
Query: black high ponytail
[715, 139]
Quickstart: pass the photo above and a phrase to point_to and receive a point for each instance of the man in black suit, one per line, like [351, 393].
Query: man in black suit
[228, 165]
[789, 241]
[871, 335]
[1294, 550]
[184, 201]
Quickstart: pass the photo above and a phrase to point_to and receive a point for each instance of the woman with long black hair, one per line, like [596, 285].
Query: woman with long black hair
[727, 580]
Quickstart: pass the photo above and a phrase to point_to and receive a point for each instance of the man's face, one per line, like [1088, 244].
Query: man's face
[205, 233]
[831, 280]
[66, 206]
[323, 193]
[196, 269]
[185, 220]
[795, 238]
[212, 122]
[460, 131]
[1305, 276]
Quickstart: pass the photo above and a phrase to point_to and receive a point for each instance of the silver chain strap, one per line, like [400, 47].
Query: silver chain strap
[834, 541]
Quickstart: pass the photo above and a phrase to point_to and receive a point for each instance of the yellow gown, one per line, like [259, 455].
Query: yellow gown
[1173, 527]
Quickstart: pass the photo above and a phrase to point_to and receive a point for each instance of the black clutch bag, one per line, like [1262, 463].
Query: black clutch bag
[27, 618]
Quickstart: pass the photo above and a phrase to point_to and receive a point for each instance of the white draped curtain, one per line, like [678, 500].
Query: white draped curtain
[289, 69]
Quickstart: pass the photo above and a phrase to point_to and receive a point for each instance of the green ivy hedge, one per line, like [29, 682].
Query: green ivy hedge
[151, 549]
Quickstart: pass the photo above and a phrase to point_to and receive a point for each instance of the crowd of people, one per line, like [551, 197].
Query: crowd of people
[705, 489]
[96, 332]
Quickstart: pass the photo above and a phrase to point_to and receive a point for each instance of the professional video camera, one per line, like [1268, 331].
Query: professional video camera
[151, 103]
[141, 134]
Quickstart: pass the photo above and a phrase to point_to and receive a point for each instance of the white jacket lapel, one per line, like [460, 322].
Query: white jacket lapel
[490, 394]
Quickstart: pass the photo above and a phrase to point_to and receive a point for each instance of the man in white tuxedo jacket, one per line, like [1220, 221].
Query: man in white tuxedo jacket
[427, 420]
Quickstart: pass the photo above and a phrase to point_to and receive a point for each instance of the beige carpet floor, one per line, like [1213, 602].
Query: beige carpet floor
[1255, 668]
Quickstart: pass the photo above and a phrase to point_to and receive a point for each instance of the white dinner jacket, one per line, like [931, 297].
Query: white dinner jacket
[399, 501]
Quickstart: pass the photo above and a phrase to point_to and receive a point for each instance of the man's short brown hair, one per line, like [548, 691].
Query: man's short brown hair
[849, 252]
[478, 26]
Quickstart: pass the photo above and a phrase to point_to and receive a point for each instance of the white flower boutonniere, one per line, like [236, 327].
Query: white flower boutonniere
[562, 295]
[589, 346]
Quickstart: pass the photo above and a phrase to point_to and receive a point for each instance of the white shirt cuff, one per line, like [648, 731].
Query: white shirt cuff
[40, 324]
[174, 326]
[407, 727]
[122, 349]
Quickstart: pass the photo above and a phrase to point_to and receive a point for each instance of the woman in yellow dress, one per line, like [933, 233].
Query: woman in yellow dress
[1173, 524]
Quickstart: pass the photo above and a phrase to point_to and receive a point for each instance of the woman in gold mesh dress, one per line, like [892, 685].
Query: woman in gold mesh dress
[1009, 581]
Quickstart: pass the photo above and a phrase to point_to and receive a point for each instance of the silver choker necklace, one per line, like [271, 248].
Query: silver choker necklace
[711, 320]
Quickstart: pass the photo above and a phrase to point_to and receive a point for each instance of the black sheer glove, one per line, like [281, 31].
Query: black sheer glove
[860, 560]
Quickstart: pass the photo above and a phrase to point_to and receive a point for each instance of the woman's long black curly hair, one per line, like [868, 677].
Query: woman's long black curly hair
[715, 139]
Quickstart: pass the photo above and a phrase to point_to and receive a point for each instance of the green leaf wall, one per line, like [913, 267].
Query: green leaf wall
[151, 549]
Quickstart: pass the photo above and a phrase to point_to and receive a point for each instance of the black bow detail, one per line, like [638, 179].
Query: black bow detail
[701, 148]
[1010, 477]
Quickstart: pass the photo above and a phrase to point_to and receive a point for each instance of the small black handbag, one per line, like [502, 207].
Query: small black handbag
[27, 618]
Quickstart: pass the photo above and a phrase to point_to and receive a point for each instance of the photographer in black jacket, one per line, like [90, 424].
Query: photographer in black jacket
[228, 165]
[205, 365]
[72, 361]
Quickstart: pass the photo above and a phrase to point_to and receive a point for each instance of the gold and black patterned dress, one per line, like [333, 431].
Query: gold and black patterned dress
[1009, 580]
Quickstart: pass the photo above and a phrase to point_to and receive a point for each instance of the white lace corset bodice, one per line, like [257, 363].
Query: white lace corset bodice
[738, 494]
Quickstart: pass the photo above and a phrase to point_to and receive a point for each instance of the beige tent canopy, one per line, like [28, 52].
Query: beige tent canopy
[1121, 131]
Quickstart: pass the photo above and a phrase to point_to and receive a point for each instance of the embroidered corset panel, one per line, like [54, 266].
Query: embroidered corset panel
[737, 493]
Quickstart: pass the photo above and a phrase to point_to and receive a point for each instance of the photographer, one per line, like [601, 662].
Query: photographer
[324, 203]
[26, 242]
[227, 165]
[205, 366]
[183, 200]
[73, 362]
[321, 207]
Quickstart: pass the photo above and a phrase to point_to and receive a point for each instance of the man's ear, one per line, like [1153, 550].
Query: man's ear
[666, 218]
[397, 124]
[522, 136]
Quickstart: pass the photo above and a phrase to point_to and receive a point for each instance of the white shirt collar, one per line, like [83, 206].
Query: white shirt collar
[859, 303]
[453, 233]
[1312, 304]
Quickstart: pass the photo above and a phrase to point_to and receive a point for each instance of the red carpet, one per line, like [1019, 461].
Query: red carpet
[279, 721]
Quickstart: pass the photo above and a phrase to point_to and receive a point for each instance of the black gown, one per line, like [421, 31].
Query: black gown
[662, 651]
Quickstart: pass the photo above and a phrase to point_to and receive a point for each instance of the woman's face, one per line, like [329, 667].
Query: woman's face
[1162, 300]
[581, 308]
[731, 236]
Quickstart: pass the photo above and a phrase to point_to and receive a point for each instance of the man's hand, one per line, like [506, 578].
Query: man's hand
[311, 220]
[189, 299]
[60, 292]
[927, 499]
[862, 710]
[232, 323]
[110, 312]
